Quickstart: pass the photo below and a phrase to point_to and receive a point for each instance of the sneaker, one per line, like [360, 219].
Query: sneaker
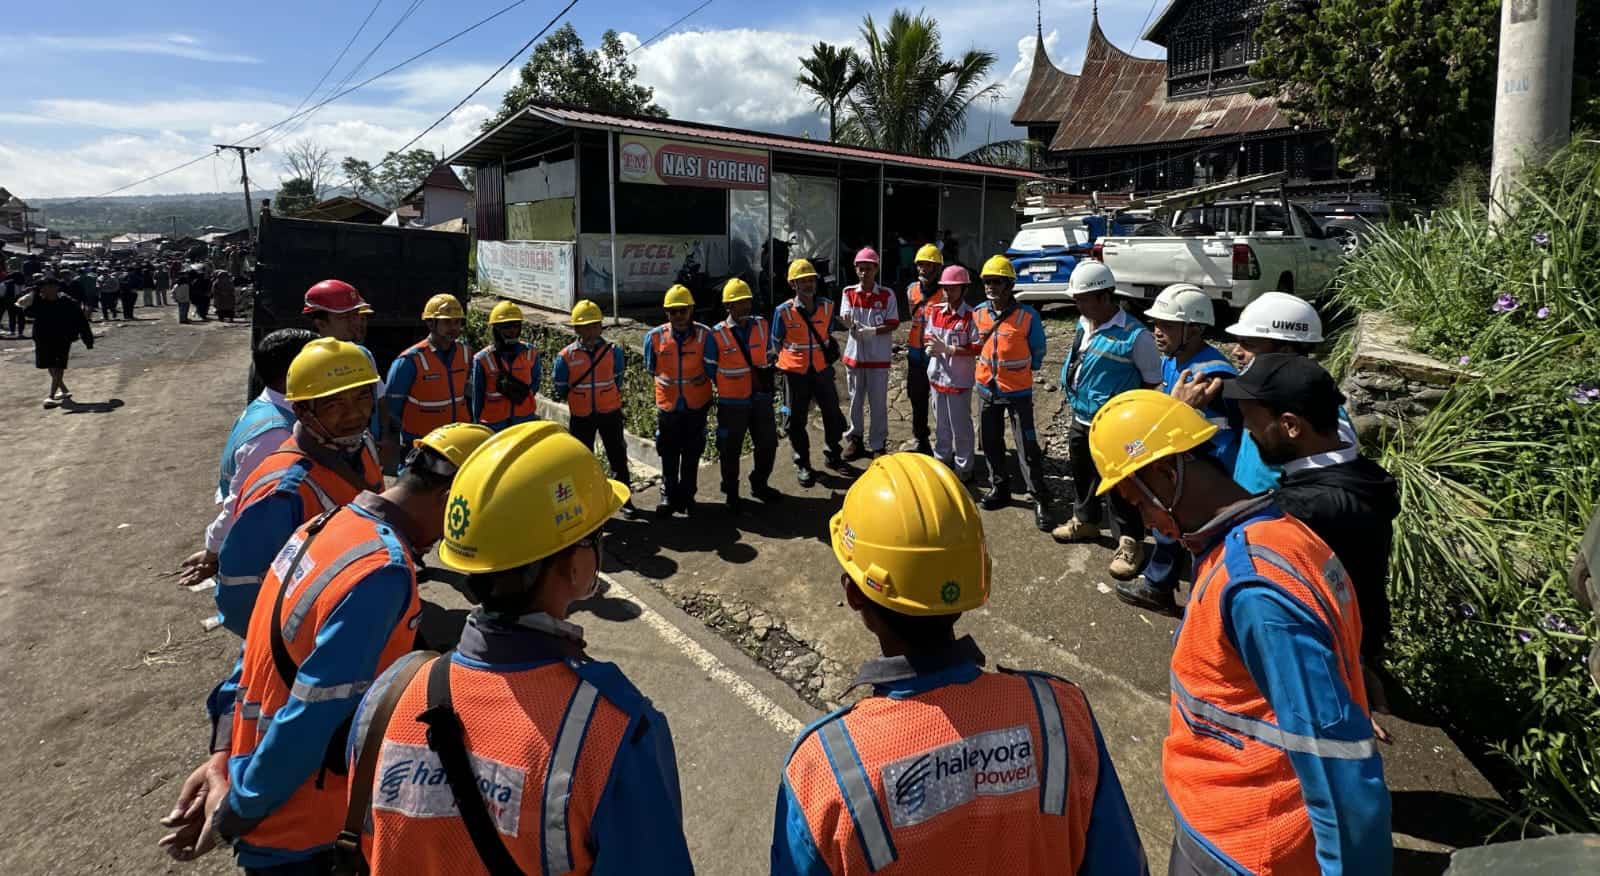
[1075, 530]
[995, 499]
[806, 476]
[1140, 593]
[632, 511]
[853, 450]
[766, 493]
[1128, 559]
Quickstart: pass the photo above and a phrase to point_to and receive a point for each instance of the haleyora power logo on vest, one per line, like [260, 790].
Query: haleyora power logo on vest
[937, 780]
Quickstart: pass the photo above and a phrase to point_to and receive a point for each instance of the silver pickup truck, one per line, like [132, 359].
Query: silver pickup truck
[1233, 249]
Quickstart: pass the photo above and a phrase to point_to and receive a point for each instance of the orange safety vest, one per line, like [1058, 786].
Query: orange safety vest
[996, 775]
[496, 407]
[1005, 355]
[681, 368]
[324, 561]
[438, 389]
[541, 742]
[919, 317]
[798, 352]
[596, 392]
[1225, 762]
[734, 378]
[320, 488]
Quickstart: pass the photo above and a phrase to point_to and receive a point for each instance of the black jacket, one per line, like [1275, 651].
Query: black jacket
[59, 321]
[1352, 507]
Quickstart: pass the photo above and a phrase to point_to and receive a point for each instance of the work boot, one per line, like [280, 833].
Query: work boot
[1076, 530]
[996, 498]
[1128, 559]
[1140, 593]
[836, 462]
[766, 493]
[805, 475]
[1041, 514]
[853, 450]
[632, 511]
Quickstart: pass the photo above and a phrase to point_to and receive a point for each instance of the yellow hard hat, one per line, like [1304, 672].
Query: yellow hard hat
[998, 266]
[455, 441]
[1137, 428]
[505, 311]
[443, 306]
[586, 313]
[911, 539]
[325, 367]
[678, 296]
[736, 290]
[930, 253]
[527, 493]
[799, 269]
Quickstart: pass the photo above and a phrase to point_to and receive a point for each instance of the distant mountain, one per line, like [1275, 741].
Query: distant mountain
[98, 218]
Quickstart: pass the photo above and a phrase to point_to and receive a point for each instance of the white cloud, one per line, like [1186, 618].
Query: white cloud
[737, 77]
[177, 45]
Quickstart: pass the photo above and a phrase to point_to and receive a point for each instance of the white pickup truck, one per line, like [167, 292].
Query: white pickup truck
[1234, 250]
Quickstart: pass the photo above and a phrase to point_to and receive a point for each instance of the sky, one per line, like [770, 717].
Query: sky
[101, 94]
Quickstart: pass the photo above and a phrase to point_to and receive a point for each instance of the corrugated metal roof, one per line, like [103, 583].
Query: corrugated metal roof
[518, 129]
[1048, 93]
[1121, 100]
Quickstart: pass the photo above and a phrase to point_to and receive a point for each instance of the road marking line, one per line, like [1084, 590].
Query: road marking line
[708, 663]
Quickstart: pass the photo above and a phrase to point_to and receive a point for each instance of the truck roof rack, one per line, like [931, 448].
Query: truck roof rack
[1202, 194]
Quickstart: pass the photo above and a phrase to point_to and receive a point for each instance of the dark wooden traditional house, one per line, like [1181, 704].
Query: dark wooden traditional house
[1145, 124]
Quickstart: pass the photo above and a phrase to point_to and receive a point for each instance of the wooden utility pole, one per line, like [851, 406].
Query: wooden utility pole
[244, 177]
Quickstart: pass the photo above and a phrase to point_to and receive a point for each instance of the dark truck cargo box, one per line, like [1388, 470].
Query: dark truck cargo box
[396, 269]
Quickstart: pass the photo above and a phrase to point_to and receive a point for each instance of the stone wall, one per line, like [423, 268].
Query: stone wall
[1387, 383]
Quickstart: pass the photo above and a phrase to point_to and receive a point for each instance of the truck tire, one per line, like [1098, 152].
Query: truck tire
[1286, 282]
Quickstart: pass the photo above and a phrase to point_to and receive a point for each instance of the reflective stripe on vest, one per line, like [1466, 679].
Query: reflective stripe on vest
[733, 373]
[856, 789]
[597, 393]
[1005, 359]
[1107, 369]
[1226, 761]
[799, 353]
[496, 407]
[919, 315]
[558, 778]
[681, 368]
[1053, 788]
[438, 389]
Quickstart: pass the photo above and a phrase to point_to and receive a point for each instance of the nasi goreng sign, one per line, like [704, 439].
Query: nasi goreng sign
[658, 162]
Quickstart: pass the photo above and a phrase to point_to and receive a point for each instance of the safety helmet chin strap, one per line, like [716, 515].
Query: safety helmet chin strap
[324, 435]
[1177, 495]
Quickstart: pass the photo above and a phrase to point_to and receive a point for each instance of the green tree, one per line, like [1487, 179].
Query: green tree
[561, 71]
[830, 74]
[911, 98]
[390, 179]
[295, 196]
[1406, 87]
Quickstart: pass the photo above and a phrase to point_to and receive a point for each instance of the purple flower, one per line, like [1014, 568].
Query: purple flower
[1558, 624]
[1542, 313]
[1542, 238]
[1524, 636]
[1505, 303]
[1463, 360]
[1584, 395]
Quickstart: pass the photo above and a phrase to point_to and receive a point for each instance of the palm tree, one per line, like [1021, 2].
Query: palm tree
[911, 98]
[831, 73]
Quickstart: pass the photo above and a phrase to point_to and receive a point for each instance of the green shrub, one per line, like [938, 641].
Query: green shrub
[1498, 481]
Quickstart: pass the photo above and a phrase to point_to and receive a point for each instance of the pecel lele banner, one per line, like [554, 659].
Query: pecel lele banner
[658, 162]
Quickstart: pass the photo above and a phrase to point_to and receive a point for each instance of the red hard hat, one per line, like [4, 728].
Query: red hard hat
[333, 296]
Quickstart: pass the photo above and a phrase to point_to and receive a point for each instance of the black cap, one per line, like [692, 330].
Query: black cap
[1286, 382]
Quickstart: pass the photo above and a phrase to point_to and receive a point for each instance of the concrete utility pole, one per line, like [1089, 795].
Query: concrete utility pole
[244, 173]
[1533, 103]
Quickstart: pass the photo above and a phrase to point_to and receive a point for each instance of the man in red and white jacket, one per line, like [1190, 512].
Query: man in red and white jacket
[870, 313]
[953, 341]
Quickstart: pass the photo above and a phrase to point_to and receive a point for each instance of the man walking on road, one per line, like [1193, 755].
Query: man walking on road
[921, 297]
[1011, 348]
[744, 396]
[869, 311]
[806, 354]
[583, 763]
[339, 605]
[680, 356]
[57, 322]
[427, 385]
[1269, 763]
[588, 378]
[943, 768]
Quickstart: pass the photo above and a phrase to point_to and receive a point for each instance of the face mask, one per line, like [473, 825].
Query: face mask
[342, 443]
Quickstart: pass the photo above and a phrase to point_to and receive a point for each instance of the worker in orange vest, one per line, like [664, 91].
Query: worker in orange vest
[943, 768]
[680, 356]
[921, 297]
[504, 386]
[588, 378]
[559, 764]
[1269, 763]
[427, 383]
[1012, 348]
[806, 354]
[338, 605]
[744, 395]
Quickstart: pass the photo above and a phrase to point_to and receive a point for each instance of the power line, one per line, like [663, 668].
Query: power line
[662, 32]
[347, 44]
[1151, 11]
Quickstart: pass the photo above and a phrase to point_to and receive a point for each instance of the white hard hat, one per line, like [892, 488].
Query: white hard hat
[1281, 317]
[1184, 302]
[1091, 276]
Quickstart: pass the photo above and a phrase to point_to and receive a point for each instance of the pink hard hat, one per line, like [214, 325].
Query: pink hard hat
[955, 275]
[867, 255]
